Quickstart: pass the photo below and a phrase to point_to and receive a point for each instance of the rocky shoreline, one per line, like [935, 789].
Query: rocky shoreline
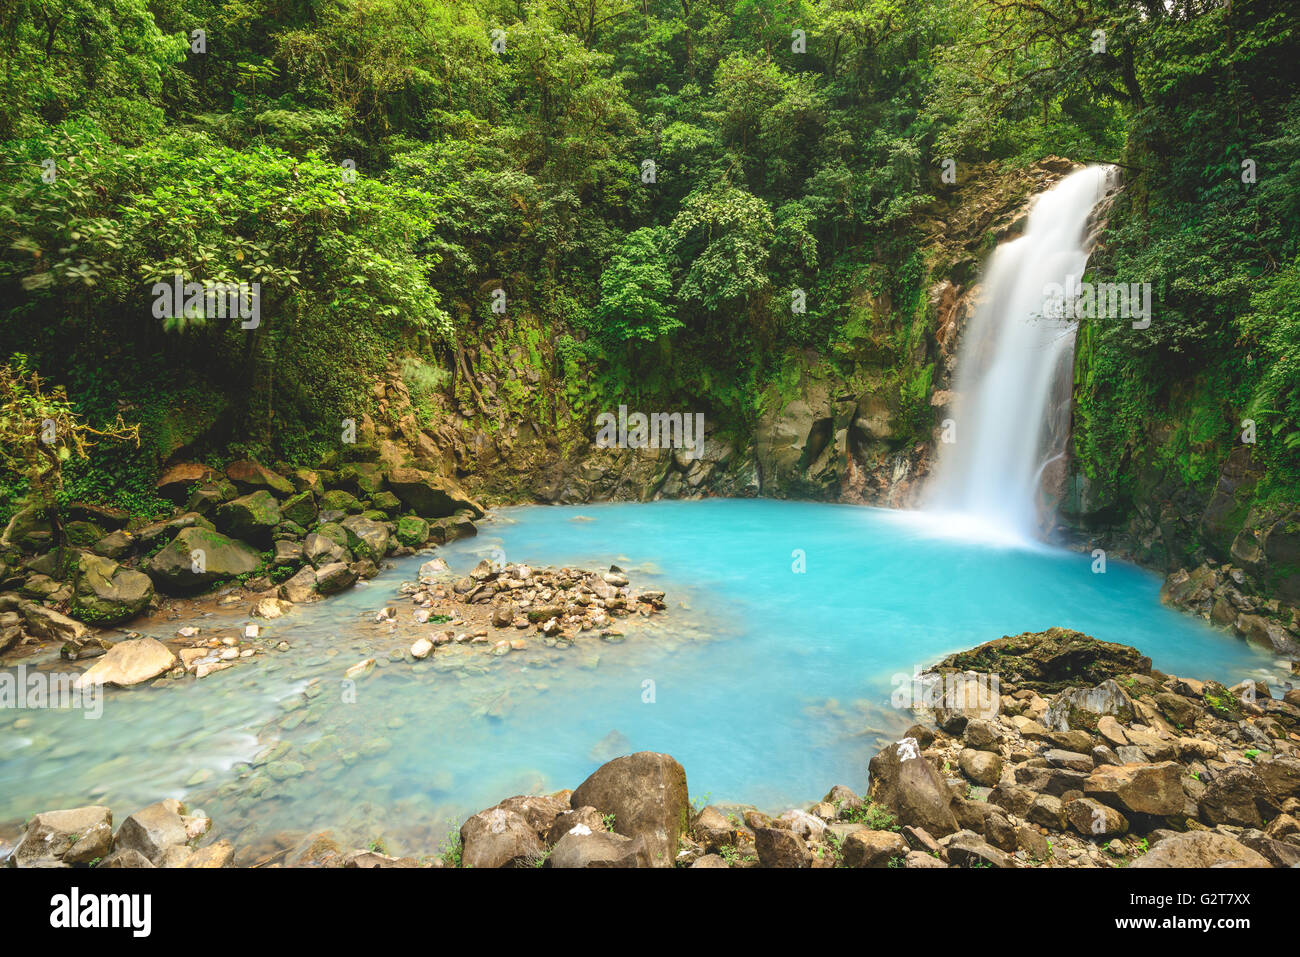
[1047, 749]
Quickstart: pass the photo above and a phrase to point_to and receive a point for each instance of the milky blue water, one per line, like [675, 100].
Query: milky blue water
[768, 677]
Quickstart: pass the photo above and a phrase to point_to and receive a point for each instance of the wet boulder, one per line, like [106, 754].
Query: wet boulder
[412, 531]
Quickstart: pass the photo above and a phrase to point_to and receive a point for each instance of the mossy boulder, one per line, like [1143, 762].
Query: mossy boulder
[366, 538]
[1050, 660]
[251, 517]
[82, 533]
[106, 593]
[386, 502]
[301, 508]
[197, 557]
[338, 500]
[250, 476]
[412, 531]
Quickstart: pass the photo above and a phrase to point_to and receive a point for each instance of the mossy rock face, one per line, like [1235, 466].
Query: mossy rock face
[301, 509]
[105, 593]
[1051, 660]
[251, 517]
[307, 480]
[197, 557]
[337, 500]
[412, 531]
[386, 502]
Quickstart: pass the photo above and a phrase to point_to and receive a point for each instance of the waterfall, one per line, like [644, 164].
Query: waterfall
[1010, 416]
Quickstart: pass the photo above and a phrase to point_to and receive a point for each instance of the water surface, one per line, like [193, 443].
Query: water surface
[769, 677]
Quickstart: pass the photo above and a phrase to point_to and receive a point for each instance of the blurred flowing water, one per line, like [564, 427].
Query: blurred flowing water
[769, 684]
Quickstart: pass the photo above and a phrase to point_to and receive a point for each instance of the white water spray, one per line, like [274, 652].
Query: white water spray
[1014, 366]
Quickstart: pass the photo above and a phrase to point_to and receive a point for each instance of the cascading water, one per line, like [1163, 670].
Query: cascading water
[1011, 410]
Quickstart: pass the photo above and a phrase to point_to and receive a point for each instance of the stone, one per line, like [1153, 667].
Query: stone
[1080, 709]
[153, 830]
[366, 538]
[1091, 818]
[177, 480]
[198, 557]
[251, 518]
[1052, 660]
[709, 860]
[1231, 797]
[301, 587]
[966, 849]
[583, 847]
[910, 787]
[432, 496]
[300, 508]
[127, 857]
[412, 531]
[128, 663]
[499, 838]
[713, 830]
[114, 544]
[321, 548]
[982, 767]
[1112, 731]
[587, 817]
[250, 476]
[75, 836]
[334, 578]
[421, 648]
[1200, 849]
[1140, 788]
[780, 847]
[867, 848]
[1070, 760]
[646, 793]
